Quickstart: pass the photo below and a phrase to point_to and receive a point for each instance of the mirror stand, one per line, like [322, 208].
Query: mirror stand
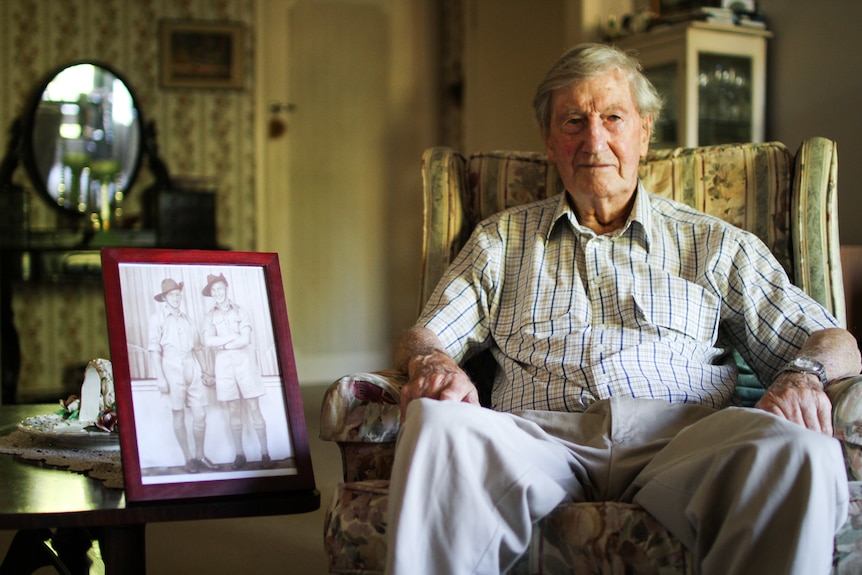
[22, 250]
[81, 140]
[149, 197]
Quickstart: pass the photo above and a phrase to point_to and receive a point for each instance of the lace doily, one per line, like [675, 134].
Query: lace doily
[101, 464]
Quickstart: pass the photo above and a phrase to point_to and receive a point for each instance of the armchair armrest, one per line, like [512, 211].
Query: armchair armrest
[846, 396]
[361, 412]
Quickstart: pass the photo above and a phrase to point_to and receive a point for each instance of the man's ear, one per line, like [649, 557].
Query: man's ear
[548, 149]
[646, 134]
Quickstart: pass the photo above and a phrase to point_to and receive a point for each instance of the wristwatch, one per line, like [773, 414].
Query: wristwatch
[807, 365]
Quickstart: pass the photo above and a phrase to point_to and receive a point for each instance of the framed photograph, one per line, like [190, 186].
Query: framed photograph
[202, 54]
[208, 400]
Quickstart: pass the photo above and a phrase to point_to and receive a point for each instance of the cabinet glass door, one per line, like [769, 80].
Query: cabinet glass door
[666, 82]
[724, 99]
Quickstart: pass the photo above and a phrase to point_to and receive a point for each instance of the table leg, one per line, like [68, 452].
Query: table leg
[124, 550]
[28, 552]
[71, 544]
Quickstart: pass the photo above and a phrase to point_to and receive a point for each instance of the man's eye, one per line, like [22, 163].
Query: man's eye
[572, 124]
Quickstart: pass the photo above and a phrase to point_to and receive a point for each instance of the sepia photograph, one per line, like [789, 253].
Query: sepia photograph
[203, 372]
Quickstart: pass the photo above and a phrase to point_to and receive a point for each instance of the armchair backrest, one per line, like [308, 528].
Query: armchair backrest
[789, 202]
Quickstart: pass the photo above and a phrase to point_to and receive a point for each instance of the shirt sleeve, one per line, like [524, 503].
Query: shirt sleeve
[766, 317]
[244, 318]
[459, 310]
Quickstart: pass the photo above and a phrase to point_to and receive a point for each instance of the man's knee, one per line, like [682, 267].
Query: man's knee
[779, 432]
[821, 451]
[439, 416]
[783, 448]
[443, 426]
[421, 414]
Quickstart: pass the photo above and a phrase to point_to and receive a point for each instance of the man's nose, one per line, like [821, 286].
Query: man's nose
[596, 137]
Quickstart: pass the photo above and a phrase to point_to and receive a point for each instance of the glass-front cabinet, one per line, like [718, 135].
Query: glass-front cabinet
[713, 79]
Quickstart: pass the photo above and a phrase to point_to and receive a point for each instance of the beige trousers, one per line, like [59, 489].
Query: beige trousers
[745, 491]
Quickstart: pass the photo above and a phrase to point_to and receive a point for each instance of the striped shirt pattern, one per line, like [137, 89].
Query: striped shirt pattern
[649, 311]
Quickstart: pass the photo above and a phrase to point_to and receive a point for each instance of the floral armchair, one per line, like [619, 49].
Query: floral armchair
[790, 202]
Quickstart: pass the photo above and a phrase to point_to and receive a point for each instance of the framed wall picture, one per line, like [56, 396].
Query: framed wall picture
[208, 400]
[197, 54]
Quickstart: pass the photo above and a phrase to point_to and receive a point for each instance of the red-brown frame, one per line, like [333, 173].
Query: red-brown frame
[222, 482]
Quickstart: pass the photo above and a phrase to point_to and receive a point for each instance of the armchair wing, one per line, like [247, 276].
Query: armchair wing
[814, 225]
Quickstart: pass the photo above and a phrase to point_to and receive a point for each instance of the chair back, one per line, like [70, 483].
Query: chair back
[789, 202]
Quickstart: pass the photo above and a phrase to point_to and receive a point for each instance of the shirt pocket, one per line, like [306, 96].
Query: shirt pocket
[672, 305]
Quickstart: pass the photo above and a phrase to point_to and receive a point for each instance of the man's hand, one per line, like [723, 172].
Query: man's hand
[437, 376]
[208, 379]
[431, 371]
[799, 397]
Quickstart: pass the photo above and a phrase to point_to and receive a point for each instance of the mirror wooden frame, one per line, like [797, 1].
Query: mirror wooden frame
[31, 140]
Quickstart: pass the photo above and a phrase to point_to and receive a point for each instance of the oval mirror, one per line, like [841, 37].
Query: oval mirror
[83, 139]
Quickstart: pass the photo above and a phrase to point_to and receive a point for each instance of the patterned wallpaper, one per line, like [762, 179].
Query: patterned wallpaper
[201, 132]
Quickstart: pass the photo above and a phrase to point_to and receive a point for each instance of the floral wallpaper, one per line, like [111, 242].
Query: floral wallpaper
[201, 133]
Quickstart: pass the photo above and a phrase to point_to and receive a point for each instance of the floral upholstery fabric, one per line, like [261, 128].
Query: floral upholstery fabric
[759, 187]
[362, 415]
[355, 532]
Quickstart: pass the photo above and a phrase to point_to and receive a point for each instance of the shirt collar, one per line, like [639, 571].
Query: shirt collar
[638, 219]
[169, 311]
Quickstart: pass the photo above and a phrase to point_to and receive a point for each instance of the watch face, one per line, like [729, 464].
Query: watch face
[806, 363]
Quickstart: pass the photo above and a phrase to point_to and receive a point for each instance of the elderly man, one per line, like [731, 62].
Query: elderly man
[175, 346]
[610, 313]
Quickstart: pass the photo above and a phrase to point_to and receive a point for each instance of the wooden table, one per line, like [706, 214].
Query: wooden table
[34, 496]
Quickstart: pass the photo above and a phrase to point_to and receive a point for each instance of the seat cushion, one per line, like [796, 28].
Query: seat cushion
[606, 538]
[585, 538]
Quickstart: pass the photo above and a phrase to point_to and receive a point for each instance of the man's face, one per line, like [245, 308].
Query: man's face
[173, 298]
[596, 136]
[219, 292]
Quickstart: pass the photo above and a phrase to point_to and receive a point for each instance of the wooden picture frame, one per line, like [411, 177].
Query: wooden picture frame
[197, 54]
[182, 376]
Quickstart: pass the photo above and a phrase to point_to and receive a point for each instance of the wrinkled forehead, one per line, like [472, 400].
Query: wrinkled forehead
[602, 92]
